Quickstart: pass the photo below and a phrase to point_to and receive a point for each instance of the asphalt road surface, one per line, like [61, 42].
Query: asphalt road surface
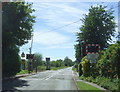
[62, 79]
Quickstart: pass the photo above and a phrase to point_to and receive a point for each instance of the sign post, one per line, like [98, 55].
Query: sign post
[47, 63]
[23, 61]
[23, 64]
[30, 57]
[92, 51]
[22, 55]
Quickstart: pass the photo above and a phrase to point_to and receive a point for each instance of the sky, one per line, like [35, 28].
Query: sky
[56, 26]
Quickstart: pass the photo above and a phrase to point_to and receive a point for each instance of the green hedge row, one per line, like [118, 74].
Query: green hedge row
[106, 71]
[107, 83]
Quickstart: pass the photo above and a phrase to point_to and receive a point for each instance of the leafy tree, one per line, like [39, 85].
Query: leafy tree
[17, 30]
[57, 63]
[98, 26]
[37, 61]
[61, 63]
[68, 62]
[77, 48]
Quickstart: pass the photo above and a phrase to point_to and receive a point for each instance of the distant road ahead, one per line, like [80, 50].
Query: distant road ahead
[48, 80]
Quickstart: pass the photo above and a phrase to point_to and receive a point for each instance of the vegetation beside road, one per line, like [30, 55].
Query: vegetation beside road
[22, 72]
[105, 72]
[74, 69]
[41, 68]
[98, 28]
[40, 65]
[107, 83]
[16, 31]
[87, 88]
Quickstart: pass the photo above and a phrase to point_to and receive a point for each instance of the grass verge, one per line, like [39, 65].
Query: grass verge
[22, 72]
[74, 69]
[87, 88]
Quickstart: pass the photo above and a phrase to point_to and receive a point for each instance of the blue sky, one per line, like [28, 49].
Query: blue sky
[52, 41]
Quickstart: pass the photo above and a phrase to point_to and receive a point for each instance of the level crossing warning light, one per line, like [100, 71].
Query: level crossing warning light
[92, 48]
[22, 55]
[92, 51]
[29, 56]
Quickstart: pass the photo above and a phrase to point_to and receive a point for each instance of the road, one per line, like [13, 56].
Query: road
[62, 79]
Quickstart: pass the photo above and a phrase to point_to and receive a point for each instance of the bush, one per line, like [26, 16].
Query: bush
[85, 66]
[11, 62]
[108, 63]
[76, 66]
[41, 68]
[107, 83]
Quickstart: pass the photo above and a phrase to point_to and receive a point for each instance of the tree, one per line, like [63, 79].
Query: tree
[98, 26]
[17, 30]
[57, 63]
[37, 61]
[68, 62]
[80, 50]
[77, 48]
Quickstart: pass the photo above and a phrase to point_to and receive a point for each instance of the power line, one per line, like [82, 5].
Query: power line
[59, 27]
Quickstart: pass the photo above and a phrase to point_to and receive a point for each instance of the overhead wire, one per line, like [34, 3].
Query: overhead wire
[59, 27]
[56, 29]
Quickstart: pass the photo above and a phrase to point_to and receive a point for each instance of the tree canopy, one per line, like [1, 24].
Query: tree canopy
[57, 63]
[98, 26]
[37, 60]
[68, 62]
[17, 22]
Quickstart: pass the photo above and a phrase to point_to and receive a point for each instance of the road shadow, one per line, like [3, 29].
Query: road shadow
[11, 84]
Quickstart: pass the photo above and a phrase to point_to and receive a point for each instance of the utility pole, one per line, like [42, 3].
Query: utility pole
[31, 45]
[119, 21]
[30, 63]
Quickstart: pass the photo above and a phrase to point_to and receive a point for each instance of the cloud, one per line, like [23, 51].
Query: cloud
[59, 14]
[67, 45]
[50, 38]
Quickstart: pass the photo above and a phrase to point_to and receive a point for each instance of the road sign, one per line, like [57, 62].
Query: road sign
[29, 56]
[22, 55]
[47, 59]
[92, 57]
[92, 51]
[48, 63]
